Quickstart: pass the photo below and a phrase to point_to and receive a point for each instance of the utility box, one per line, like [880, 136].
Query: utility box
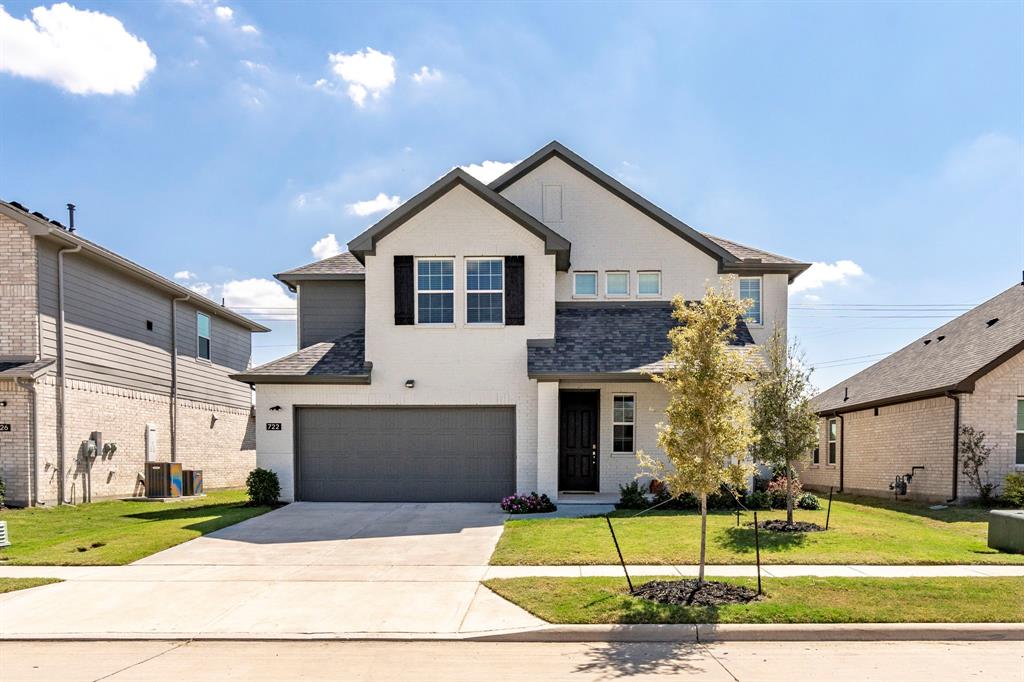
[163, 479]
[192, 482]
[1006, 530]
[150, 442]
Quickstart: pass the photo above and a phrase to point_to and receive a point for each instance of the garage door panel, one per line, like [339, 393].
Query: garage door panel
[405, 454]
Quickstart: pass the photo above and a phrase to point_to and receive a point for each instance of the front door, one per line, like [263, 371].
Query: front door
[577, 441]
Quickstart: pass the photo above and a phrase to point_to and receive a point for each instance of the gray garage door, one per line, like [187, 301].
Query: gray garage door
[405, 454]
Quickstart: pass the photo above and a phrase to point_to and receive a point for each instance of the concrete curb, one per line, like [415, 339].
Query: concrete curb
[824, 632]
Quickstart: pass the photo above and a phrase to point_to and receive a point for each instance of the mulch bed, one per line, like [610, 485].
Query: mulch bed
[693, 593]
[780, 526]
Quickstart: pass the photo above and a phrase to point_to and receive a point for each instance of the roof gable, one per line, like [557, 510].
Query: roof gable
[366, 242]
[949, 359]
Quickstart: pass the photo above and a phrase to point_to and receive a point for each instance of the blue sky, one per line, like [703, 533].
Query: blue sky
[887, 135]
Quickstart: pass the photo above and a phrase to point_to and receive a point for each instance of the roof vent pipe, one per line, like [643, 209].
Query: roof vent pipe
[71, 217]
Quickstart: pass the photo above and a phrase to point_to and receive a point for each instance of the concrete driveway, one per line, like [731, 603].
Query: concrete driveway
[306, 569]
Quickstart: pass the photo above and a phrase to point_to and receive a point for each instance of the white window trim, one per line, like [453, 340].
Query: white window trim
[478, 325]
[632, 452]
[1016, 464]
[596, 283]
[760, 292]
[607, 274]
[648, 272]
[831, 440]
[416, 291]
[208, 338]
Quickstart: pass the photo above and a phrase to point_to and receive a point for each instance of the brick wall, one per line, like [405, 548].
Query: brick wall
[19, 321]
[992, 408]
[15, 444]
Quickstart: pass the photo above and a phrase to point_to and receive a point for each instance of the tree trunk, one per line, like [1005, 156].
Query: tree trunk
[703, 535]
[789, 493]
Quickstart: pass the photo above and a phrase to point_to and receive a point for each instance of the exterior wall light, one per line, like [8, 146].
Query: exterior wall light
[410, 383]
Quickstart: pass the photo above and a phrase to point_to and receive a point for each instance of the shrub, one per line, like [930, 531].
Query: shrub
[974, 454]
[808, 501]
[632, 497]
[1013, 489]
[759, 499]
[777, 491]
[264, 487]
[528, 504]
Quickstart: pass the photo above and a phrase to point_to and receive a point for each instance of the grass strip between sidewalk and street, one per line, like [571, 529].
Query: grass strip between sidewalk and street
[15, 584]
[785, 600]
[116, 532]
[861, 531]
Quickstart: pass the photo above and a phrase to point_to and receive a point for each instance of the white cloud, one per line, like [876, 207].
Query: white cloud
[254, 66]
[258, 296]
[812, 298]
[201, 288]
[81, 51]
[427, 75]
[379, 204]
[367, 72]
[185, 275]
[326, 247]
[224, 13]
[250, 29]
[488, 170]
[820, 274]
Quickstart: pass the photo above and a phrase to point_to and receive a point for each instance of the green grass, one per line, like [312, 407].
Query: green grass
[14, 584]
[861, 531]
[789, 600]
[116, 532]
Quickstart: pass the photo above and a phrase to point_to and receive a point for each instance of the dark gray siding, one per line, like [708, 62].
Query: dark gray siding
[107, 341]
[329, 309]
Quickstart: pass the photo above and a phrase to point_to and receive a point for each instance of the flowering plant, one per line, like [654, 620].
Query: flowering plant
[528, 504]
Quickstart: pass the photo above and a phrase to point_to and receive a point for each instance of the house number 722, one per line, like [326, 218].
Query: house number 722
[273, 426]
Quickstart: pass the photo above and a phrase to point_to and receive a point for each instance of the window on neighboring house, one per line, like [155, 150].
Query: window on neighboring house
[816, 456]
[616, 283]
[584, 284]
[750, 289]
[1020, 432]
[435, 291]
[831, 441]
[485, 291]
[203, 335]
[648, 283]
[623, 423]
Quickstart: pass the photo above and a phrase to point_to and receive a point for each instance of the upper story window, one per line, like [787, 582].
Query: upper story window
[616, 283]
[831, 441]
[623, 423]
[1020, 431]
[584, 284]
[648, 283]
[203, 336]
[435, 291]
[750, 289]
[485, 291]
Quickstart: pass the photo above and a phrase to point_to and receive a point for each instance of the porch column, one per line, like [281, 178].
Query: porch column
[547, 438]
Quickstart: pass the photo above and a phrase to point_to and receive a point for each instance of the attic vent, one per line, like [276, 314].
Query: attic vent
[927, 341]
[940, 338]
[992, 322]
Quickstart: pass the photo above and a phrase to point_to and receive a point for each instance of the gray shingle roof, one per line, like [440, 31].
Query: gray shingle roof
[14, 368]
[609, 339]
[341, 360]
[951, 358]
[750, 253]
[342, 266]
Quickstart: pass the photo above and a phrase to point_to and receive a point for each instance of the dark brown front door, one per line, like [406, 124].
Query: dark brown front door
[577, 440]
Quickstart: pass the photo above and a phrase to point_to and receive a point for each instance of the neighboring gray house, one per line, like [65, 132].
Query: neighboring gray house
[901, 414]
[483, 340]
[90, 341]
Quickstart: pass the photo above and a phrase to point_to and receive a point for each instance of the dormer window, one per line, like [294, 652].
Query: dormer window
[584, 285]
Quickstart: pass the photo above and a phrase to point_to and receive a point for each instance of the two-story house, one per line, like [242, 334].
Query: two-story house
[91, 342]
[483, 340]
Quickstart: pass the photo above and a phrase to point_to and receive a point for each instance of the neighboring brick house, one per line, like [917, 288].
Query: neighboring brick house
[90, 341]
[904, 411]
[485, 339]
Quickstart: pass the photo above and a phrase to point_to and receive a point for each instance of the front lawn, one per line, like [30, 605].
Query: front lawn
[861, 531]
[790, 600]
[14, 584]
[116, 532]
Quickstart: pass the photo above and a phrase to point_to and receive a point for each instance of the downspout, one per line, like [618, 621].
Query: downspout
[174, 375]
[33, 479]
[842, 448]
[62, 386]
[956, 443]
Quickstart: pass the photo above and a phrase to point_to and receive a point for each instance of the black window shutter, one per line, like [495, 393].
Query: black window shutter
[515, 290]
[405, 311]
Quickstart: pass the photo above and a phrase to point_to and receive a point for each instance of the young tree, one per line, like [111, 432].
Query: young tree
[974, 454]
[707, 429]
[780, 405]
